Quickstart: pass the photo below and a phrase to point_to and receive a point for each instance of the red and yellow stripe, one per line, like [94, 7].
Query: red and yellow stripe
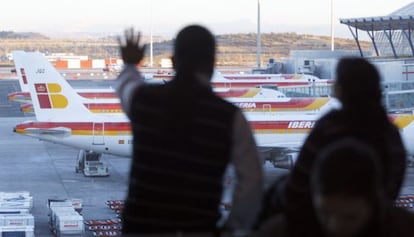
[104, 108]
[401, 120]
[98, 95]
[124, 128]
[234, 93]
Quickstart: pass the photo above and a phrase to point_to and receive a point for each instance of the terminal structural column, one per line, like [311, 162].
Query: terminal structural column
[356, 39]
[408, 34]
[371, 35]
[389, 34]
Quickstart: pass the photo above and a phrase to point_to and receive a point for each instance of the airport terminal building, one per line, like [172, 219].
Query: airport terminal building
[392, 52]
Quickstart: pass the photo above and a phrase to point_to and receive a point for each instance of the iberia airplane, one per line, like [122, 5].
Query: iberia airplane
[253, 80]
[219, 84]
[251, 102]
[62, 118]
[248, 99]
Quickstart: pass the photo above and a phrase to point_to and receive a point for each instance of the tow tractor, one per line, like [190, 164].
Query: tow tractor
[90, 164]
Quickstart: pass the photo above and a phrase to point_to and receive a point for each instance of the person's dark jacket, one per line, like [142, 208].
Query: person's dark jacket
[185, 136]
[395, 222]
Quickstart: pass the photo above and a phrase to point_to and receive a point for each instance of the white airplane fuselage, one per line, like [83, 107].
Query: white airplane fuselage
[115, 137]
[275, 131]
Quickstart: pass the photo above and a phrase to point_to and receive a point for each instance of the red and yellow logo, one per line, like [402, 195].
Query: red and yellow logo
[24, 78]
[49, 96]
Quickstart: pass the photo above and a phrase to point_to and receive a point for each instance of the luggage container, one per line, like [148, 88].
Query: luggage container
[16, 200]
[17, 231]
[64, 220]
[55, 211]
[69, 225]
[17, 220]
[76, 203]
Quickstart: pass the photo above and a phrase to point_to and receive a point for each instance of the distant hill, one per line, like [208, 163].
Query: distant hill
[21, 35]
[240, 49]
[232, 49]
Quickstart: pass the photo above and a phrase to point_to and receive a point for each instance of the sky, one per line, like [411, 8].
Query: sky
[71, 18]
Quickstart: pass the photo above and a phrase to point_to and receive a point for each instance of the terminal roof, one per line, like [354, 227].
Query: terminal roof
[381, 23]
[393, 31]
[389, 26]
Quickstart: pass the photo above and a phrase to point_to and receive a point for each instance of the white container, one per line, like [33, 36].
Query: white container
[76, 203]
[9, 231]
[69, 225]
[74, 64]
[98, 63]
[16, 200]
[17, 220]
[55, 211]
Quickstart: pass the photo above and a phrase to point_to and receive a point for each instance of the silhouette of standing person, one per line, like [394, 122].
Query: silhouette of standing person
[184, 138]
[362, 116]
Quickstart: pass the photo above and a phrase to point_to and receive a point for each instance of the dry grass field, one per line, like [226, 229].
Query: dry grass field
[233, 49]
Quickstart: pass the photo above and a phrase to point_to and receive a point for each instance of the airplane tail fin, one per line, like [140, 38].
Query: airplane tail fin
[53, 98]
[21, 74]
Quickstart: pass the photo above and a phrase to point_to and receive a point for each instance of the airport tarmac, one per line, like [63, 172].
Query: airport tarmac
[48, 171]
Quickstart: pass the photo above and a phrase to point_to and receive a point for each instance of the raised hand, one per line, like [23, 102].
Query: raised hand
[131, 51]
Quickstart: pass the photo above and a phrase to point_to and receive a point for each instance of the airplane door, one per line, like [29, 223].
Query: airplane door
[267, 108]
[98, 134]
